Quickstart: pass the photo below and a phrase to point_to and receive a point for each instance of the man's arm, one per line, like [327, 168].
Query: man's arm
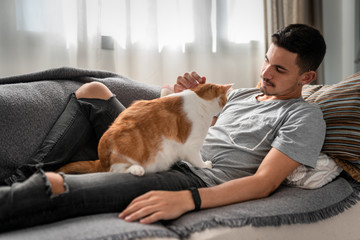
[275, 167]
[163, 205]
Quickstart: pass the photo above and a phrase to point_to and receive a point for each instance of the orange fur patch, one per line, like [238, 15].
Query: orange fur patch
[211, 91]
[138, 131]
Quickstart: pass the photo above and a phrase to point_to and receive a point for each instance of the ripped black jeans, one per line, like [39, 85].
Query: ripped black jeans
[29, 200]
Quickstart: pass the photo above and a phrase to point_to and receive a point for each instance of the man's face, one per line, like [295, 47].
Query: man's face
[280, 74]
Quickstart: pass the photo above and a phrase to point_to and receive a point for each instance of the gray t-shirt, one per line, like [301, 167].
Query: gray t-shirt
[247, 129]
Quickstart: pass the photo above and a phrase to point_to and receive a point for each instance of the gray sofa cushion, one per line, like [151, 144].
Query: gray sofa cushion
[30, 104]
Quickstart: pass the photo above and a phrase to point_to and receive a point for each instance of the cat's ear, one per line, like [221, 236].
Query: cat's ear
[228, 87]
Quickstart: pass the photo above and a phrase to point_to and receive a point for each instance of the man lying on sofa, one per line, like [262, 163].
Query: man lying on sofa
[261, 137]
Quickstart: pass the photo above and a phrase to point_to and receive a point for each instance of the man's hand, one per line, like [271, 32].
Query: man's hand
[158, 205]
[188, 80]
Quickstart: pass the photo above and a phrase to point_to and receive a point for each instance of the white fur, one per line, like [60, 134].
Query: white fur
[131, 167]
[166, 157]
[200, 113]
[134, 169]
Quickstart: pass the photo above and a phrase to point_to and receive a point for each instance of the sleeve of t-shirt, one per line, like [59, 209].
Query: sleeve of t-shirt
[302, 135]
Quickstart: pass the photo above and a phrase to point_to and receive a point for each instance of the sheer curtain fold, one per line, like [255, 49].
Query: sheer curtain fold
[280, 13]
[152, 41]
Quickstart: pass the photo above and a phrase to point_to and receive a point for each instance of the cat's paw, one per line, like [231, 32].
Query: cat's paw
[208, 164]
[136, 170]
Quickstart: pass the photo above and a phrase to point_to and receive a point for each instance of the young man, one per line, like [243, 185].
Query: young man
[260, 137]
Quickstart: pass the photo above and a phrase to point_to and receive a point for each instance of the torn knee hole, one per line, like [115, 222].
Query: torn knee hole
[56, 183]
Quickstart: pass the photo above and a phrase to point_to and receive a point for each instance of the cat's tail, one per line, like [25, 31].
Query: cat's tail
[82, 167]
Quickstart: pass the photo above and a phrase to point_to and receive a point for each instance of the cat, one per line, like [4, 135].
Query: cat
[151, 135]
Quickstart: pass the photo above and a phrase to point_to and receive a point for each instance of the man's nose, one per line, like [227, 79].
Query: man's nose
[267, 72]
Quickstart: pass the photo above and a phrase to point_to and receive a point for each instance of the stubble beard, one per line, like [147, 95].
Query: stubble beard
[263, 88]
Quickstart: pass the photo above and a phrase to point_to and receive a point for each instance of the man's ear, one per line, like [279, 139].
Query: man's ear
[308, 77]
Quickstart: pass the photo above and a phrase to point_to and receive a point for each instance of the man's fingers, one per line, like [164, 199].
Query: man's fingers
[178, 88]
[188, 80]
[141, 213]
[184, 82]
[154, 217]
[202, 80]
[197, 77]
[145, 212]
[191, 79]
[136, 204]
[158, 205]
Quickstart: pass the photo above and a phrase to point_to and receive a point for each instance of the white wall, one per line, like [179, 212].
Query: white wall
[339, 33]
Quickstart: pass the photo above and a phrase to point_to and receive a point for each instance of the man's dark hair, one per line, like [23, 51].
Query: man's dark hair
[304, 40]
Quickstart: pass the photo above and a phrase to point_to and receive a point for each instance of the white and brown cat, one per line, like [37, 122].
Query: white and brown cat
[150, 136]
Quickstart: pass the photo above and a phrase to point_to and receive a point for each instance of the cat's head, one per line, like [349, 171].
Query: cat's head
[210, 91]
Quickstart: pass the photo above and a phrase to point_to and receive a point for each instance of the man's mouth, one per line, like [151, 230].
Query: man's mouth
[267, 83]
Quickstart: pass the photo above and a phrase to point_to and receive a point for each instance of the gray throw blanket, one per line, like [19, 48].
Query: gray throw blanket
[30, 104]
[286, 206]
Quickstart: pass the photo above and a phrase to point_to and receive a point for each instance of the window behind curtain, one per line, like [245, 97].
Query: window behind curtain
[148, 40]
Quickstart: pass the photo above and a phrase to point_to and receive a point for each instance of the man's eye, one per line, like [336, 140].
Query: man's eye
[280, 70]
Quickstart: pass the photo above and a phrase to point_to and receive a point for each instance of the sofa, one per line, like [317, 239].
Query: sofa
[313, 204]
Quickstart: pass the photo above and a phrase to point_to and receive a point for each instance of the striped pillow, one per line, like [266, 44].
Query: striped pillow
[340, 104]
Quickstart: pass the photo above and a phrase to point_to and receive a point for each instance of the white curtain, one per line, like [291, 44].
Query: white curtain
[152, 41]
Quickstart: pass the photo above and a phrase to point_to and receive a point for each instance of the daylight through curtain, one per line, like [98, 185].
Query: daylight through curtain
[152, 41]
